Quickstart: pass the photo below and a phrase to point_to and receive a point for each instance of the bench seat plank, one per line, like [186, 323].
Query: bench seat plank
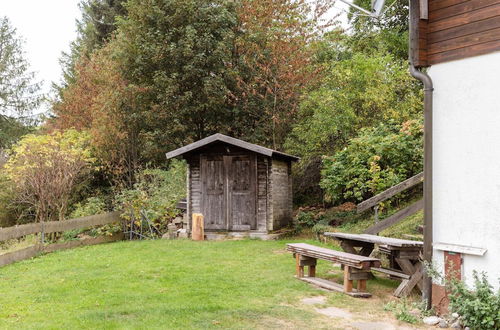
[353, 260]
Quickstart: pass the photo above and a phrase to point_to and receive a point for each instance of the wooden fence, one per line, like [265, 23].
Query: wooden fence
[53, 227]
[398, 216]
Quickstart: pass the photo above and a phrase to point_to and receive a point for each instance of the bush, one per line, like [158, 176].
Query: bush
[45, 169]
[479, 308]
[155, 195]
[91, 206]
[377, 159]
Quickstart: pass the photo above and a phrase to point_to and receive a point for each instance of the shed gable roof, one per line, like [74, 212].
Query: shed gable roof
[232, 141]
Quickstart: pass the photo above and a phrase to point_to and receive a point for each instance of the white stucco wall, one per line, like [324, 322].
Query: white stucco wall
[466, 159]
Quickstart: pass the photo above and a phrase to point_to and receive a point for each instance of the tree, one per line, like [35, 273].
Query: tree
[274, 57]
[388, 34]
[19, 92]
[176, 52]
[375, 160]
[101, 102]
[358, 92]
[94, 30]
[45, 169]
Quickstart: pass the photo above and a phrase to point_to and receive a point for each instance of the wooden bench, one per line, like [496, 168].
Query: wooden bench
[356, 268]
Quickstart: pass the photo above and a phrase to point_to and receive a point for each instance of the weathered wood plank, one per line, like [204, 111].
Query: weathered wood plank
[19, 255]
[374, 239]
[35, 250]
[19, 231]
[329, 285]
[395, 218]
[391, 272]
[83, 242]
[84, 222]
[474, 50]
[344, 258]
[407, 285]
[59, 226]
[459, 8]
[369, 203]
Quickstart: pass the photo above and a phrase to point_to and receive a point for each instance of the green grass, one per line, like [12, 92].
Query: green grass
[171, 284]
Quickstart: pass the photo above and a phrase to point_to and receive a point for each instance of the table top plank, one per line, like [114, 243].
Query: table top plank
[381, 240]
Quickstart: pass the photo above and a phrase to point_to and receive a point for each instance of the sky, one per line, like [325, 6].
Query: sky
[47, 27]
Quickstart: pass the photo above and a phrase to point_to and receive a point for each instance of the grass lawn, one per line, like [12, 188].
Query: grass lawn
[173, 284]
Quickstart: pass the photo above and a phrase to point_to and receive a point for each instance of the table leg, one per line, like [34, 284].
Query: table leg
[298, 268]
[347, 247]
[312, 271]
[347, 281]
[361, 285]
[407, 285]
[408, 268]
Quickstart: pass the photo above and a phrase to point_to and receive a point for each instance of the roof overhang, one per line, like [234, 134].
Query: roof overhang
[231, 141]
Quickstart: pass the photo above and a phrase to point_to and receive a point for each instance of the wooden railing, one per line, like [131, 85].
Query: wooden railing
[374, 202]
[44, 228]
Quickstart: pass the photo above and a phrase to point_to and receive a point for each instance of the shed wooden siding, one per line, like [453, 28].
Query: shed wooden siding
[194, 184]
[457, 29]
[262, 192]
[281, 194]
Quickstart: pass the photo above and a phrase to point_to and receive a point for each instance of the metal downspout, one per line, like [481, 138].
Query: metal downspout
[428, 93]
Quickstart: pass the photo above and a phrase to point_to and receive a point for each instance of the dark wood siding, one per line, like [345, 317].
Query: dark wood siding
[459, 29]
[280, 194]
[194, 185]
[262, 192]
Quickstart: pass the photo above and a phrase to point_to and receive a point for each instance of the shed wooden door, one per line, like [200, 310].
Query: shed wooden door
[213, 202]
[228, 192]
[241, 192]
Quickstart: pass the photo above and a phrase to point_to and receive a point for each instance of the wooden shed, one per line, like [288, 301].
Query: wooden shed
[236, 185]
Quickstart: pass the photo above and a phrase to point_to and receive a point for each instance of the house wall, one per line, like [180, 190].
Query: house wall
[466, 161]
[281, 195]
[458, 29]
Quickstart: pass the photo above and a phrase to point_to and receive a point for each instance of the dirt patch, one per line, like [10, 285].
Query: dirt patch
[317, 300]
[376, 326]
[335, 312]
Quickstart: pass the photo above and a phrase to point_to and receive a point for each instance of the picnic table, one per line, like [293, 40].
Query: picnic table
[404, 257]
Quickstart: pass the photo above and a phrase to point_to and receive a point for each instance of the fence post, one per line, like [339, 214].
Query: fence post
[375, 209]
[42, 234]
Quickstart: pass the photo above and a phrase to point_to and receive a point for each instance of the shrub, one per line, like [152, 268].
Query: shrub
[46, 168]
[377, 159]
[155, 195]
[91, 206]
[480, 307]
[402, 310]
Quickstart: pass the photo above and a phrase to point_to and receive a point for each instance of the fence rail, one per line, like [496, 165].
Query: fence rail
[52, 227]
[58, 226]
[395, 218]
[373, 201]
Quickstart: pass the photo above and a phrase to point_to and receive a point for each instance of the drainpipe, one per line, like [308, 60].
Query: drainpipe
[427, 254]
[416, 19]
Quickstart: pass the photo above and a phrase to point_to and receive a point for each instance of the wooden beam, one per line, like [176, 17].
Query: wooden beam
[34, 250]
[395, 218]
[371, 202]
[59, 226]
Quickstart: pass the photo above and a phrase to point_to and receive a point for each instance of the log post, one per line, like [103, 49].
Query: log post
[347, 280]
[198, 232]
[298, 267]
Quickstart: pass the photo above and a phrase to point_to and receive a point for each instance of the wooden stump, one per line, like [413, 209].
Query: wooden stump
[198, 231]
